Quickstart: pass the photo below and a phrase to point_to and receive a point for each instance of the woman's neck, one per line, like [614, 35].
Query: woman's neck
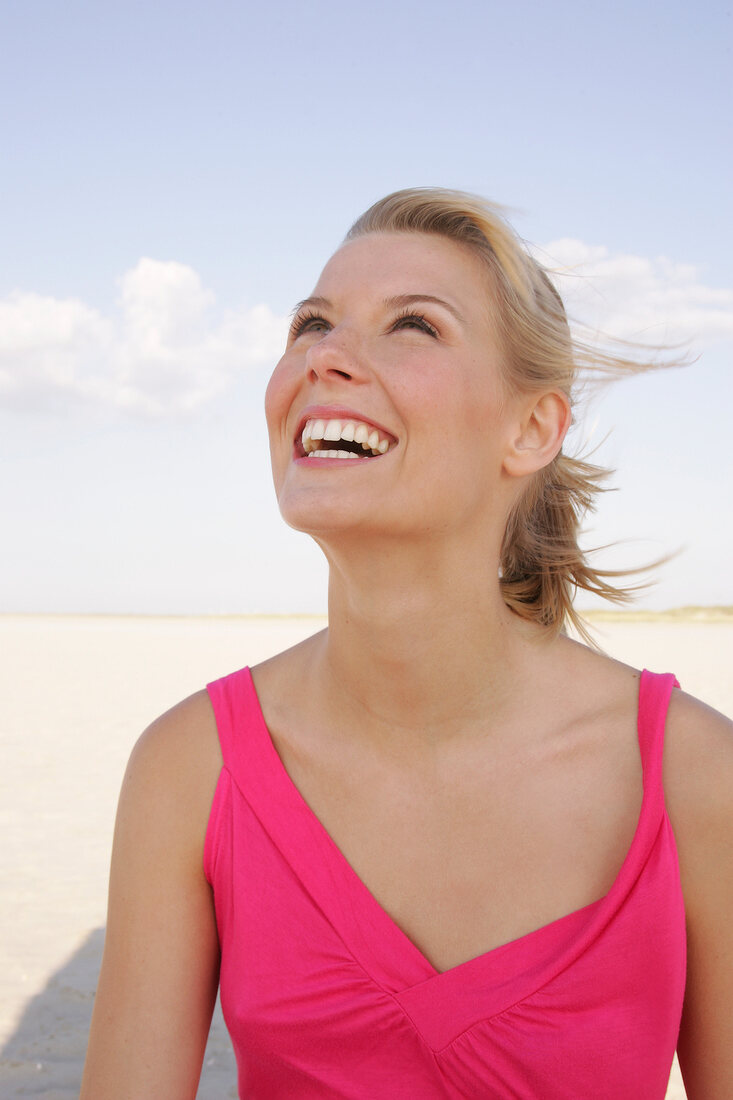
[425, 644]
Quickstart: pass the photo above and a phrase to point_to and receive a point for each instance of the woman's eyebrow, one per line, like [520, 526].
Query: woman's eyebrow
[402, 300]
[398, 301]
[313, 303]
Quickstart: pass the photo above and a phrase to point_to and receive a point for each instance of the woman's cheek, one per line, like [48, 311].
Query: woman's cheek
[277, 395]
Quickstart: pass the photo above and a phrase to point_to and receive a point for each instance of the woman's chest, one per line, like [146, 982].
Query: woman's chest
[484, 849]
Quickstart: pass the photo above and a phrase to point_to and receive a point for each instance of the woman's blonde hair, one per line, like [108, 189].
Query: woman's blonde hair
[542, 565]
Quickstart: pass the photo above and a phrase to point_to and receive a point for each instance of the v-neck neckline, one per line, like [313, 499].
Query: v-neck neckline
[373, 936]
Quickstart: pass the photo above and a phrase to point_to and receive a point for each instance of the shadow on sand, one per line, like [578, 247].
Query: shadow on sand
[45, 1054]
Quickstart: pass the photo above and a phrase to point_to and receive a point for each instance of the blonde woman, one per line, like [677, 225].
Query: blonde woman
[439, 849]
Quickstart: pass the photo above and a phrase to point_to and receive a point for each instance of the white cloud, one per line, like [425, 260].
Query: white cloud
[44, 343]
[166, 348]
[637, 298]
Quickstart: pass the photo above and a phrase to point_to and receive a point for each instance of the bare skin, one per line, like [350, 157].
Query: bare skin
[159, 974]
[482, 778]
[508, 816]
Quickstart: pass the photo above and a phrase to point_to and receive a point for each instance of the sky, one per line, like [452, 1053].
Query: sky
[174, 177]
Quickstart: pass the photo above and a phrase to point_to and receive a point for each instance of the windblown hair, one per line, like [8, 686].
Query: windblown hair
[542, 564]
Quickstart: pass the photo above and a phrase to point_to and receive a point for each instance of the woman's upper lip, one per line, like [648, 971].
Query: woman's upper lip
[340, 412]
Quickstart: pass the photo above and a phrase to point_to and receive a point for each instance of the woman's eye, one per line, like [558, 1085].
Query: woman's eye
[415, 321]
[307, 322]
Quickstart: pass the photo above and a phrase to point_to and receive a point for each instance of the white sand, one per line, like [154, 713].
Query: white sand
[76, 693]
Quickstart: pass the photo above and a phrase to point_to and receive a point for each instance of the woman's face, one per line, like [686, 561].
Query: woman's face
[395, 360]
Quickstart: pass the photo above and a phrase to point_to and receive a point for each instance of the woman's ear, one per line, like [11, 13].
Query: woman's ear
[540, 431]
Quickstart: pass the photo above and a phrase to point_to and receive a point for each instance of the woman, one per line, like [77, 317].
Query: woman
[436, 861]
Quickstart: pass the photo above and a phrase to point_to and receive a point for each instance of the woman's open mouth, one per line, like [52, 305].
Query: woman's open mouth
[346, 438]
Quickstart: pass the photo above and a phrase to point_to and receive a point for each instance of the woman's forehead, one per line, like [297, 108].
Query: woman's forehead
[395, 263]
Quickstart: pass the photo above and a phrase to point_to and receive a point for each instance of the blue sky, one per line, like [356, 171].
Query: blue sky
[175, 175]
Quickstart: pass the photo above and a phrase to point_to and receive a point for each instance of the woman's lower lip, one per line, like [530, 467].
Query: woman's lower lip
[306, 460]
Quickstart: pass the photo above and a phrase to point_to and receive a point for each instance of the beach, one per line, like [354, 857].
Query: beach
[76, 693]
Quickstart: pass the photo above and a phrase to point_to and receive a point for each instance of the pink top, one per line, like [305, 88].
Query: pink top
[324, 996]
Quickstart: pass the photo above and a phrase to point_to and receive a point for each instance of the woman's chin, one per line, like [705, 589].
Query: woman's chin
[327, 522]
[320, 524]
[317, 510]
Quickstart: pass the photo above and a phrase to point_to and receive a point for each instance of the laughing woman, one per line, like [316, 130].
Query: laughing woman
[439, 850]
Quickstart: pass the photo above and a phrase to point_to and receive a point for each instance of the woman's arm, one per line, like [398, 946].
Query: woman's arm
[699, 791]
[159, 974]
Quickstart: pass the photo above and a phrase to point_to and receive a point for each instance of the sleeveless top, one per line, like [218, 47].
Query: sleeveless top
[324, 996]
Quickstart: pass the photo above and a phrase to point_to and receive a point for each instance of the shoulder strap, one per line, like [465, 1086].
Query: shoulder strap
[235, 708]
[655, 690]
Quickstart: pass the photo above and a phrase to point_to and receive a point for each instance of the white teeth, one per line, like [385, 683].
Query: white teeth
[332, 454]
[350, 431]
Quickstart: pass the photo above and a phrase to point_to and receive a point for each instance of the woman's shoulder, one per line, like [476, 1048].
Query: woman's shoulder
[698, 777]
[174, 766]
[596, 686]
[698, 740]
[186, 732]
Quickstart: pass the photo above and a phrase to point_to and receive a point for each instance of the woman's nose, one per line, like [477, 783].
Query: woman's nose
[333, 358]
